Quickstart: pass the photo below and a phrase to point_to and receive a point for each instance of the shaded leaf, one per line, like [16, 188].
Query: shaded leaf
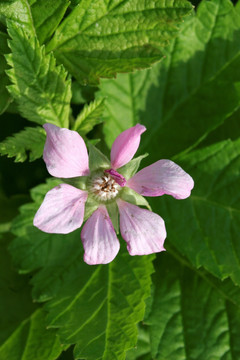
[23, 328]
[191, 92]
[209, 220]
[30, 140]
[4, 94]
[32, 340]
[191, 316]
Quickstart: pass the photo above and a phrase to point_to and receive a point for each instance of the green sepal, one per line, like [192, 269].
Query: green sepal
[79, 182]
[132, 197]
[90, 206]
[113, 212]
[97, 160]
[131, 167]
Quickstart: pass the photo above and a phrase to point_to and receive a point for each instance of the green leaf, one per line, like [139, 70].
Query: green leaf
[132, 197]
[97, 160]
[205, 227]
[47, 18]
[142, 350]
[131, 167]
[125, 101]
[19, 12]
[101, 38]
[30, 140]
[89, 117]
[32, 340]
[95, 307]
[4, 94]
[192, 316]
[9, 209]
[40, 88]
[113, 212]
[23, 331]
[189, 93]
[34, 16]
[15, 302]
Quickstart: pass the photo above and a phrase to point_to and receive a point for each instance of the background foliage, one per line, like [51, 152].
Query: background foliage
[100, 67]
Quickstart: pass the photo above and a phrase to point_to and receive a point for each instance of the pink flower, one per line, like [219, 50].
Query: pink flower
[63, 207]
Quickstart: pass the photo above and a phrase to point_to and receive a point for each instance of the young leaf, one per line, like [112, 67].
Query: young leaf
[95, 307]
[101, 38]
[209, 220]
[28, 140]
[191, 92]
[89, 117]
[40, 88]
[192, 317]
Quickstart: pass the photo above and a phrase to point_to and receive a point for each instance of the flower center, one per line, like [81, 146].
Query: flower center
[105, 187]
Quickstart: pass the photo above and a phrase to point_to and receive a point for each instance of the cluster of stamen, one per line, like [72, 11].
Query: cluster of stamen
[105, 187]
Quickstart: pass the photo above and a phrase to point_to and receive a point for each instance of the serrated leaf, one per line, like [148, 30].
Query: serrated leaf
[192, 317]
[96, 307]
[89, 117]
[4, 94]
[47, 18]
[23, 328]
[15, 302]
[187, 95]
[30, 140]
[209, 220]
[19, 12]
[34, 16]
[40, 87]
[32, 340]
[101, 38]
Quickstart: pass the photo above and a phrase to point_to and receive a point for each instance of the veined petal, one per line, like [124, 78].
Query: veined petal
[65, 152]
[99, 239]
[126, 145]
[143, 230]
[62, 210]
[162, 177]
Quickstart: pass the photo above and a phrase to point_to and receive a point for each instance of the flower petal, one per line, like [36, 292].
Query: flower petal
[126, 145]
[143, 230]
[120, 179]
[62, 210]
[99, 239]
[65, 153]
[162, 177]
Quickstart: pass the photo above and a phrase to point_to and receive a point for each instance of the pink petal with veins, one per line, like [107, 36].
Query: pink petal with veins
[126, 145]
[62, 210]
[162, 177]
[99, 239]
[65, 153]
[143, 230]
